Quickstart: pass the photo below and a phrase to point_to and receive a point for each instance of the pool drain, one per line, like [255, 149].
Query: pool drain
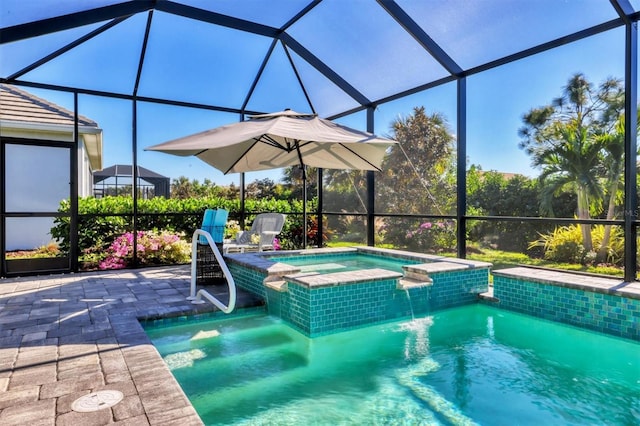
[97, 401]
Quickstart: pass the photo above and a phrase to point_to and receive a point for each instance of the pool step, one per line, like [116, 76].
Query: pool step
[240, 369]
[217, 338]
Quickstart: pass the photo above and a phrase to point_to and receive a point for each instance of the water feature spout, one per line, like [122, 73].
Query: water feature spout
[408, 283]
[406, 290]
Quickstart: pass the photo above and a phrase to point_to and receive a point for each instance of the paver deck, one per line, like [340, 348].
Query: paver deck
[65, 336]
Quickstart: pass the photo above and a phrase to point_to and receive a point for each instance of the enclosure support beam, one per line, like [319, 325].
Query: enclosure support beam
[461, 210]
[3, 227]
[73, 204]
[416, 31]
[631, 149]
[73, 20]
[371, 188]
[134, 176]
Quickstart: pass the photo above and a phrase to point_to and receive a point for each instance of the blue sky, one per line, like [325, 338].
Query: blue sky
[180, 68]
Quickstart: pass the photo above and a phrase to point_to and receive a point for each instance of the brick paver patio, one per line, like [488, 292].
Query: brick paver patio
[65, 336]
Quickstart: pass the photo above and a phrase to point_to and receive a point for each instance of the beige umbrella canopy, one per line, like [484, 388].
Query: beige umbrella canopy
[282, 139]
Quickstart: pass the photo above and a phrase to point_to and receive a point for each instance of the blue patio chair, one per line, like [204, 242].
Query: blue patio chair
[219, 225]
[208, 270]
[207, 224]
[214, 222]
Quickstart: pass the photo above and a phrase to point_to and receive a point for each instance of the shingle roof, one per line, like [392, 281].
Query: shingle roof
[21, 106]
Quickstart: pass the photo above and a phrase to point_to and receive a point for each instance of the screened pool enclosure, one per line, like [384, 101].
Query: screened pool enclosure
[149, 71]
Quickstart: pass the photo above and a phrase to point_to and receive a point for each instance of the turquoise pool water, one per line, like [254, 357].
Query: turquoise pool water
[343, 263]
[469, 365]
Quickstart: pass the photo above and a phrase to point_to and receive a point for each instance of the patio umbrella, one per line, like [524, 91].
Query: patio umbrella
[282, 139]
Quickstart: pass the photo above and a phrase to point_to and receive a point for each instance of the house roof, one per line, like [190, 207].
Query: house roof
[23, 111]
[18, 105]
[126, 170]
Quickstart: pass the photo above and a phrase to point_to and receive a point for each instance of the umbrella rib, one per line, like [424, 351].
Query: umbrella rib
[270, 141]
[256, 140]
[360, 156]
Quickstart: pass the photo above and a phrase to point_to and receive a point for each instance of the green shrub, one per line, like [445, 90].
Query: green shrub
[564, 244]
[432, 236]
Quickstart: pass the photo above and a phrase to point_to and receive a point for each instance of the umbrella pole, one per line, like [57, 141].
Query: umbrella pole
[304, 206]
[304, 195]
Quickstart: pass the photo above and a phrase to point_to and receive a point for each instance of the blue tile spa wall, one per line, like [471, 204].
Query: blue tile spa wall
[329, 309]
[326, 309]
[605, 313]
[455, 288]
[248, 279]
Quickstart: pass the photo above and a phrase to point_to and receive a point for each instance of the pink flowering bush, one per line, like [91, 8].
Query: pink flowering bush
[432, 236]
[153, 248]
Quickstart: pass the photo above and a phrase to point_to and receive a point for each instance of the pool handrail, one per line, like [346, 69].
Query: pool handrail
[196, 298]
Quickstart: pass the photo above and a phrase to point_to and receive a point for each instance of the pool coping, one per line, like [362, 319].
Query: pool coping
[259, 261]
[317, 280]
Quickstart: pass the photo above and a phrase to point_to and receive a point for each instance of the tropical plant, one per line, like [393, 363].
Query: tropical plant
[564, 244]
[565, 140]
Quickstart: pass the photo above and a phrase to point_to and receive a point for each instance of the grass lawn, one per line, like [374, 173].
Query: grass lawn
[505, 259]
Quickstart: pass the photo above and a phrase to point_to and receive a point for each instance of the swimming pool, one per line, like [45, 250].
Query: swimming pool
[467, 365]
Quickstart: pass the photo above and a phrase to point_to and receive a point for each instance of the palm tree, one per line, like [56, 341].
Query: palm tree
[567, 141]
[571, 164]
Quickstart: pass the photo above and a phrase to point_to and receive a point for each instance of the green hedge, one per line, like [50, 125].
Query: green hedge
[102, 220]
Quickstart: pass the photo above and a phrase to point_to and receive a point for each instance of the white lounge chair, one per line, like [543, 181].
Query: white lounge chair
[264, 229]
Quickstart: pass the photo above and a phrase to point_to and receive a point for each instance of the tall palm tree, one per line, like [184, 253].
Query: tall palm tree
[566, 140]
[573, 163]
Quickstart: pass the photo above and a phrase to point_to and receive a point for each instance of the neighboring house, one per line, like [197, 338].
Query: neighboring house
[30, 118]
[114, 179]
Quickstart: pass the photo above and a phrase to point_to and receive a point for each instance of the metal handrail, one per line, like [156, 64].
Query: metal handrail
[196, 298]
